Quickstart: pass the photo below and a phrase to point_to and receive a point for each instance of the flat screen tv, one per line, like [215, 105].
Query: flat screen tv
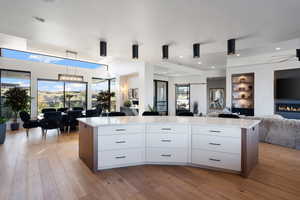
[288, 88]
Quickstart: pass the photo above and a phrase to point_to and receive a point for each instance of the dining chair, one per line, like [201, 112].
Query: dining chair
[51, 120]
[116, 114]
[27, 122]
[48, 110]
[185, 113]
[148, 113]
[91, 113]
[71, 119]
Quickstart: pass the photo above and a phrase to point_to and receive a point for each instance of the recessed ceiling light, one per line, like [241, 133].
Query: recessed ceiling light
[213, 67]
[199, 62]
[278, 48]
[180, 56]
[238, 54]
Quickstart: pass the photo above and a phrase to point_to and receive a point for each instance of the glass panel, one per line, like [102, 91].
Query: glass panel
[21, 55]
[182, 98]
[161, 99]
[12, 79]
[75, 94]
[113, 89]
[50, 94]
[98, 85]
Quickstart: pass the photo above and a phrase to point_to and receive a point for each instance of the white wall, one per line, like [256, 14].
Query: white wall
[263, 81]
[48, 71]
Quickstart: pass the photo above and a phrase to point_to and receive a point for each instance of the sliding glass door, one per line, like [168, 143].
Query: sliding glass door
[59, 94]
[104, 85]
[182, 95]
[11, 79]
[161, 96]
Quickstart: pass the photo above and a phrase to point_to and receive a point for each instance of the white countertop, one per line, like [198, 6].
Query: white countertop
[107, 121]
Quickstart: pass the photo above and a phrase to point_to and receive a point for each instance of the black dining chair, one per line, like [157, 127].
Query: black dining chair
[185, 113]
[27, 122]
[48, 110]
[71, 120]
[232, 116]
[78, 108]
[91, 113]
[116, 114]
[51, 120]
[148, 113]
[63, 110]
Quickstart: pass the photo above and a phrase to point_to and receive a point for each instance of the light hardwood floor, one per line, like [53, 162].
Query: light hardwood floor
[34, 168]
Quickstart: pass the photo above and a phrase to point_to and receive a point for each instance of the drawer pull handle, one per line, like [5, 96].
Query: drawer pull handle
[120, 157]
[216, 160]
[166, 129]
[121, 129]
[166, 140]
[213, 131]
[120, 142]
[215, 144]
[166, 155]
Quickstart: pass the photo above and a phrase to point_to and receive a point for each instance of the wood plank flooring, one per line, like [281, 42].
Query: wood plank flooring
[33, 168]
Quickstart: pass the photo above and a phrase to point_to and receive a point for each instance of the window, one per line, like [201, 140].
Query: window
[99, 85]
[161, 96]
[59, 94]
[35, 57]
[10, 79]
[182, 93]
[75, 95]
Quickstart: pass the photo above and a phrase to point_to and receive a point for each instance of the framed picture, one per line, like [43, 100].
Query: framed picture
[216, 98]
[135, 93]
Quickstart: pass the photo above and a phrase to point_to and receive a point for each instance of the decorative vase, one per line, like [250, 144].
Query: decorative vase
[14, 126]
[2, 133]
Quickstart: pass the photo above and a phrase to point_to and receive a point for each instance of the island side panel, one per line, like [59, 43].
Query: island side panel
[88, 144]
[250, 143]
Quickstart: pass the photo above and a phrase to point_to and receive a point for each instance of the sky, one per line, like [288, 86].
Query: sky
[20, 55]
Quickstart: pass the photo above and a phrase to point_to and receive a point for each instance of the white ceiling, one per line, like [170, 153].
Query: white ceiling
[79, 25]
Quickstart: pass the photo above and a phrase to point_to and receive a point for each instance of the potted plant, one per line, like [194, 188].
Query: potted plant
[2, 129]
[103, 99]
[127, 103]
[17, 99]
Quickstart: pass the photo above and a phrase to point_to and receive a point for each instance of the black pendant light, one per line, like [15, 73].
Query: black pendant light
[103, 48]
[196, 50]
[165, 51]
[135, 51]
[231, 47]
[298, 54]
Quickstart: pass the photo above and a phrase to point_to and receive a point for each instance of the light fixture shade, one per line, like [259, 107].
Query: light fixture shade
[165, 51]
[231, 47]
[298, 54]
[135, 51]
[68, 77]
[103, 48]
[196, 50]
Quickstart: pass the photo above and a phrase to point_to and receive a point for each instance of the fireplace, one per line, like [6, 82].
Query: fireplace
[288, 109]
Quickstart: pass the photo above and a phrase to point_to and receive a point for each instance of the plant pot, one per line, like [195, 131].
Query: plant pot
[2, 133]
[14, 126]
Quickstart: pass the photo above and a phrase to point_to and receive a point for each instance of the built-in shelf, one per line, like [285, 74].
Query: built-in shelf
[243, 93]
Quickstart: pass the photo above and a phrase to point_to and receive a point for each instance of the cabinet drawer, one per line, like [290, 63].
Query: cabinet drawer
[163, 155]
[217, 131]
[167, 140]
[121, 141]
[216, 159]
[215, 143]
[120, 129]
[167, 128]
[120, 157]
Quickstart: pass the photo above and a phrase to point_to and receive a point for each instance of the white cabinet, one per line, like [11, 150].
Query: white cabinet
[218, 147]
[118, 158]
[167, 143]
[217, 159]
[209, 146]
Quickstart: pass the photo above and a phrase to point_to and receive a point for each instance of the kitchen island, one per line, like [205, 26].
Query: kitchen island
[229, 145]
